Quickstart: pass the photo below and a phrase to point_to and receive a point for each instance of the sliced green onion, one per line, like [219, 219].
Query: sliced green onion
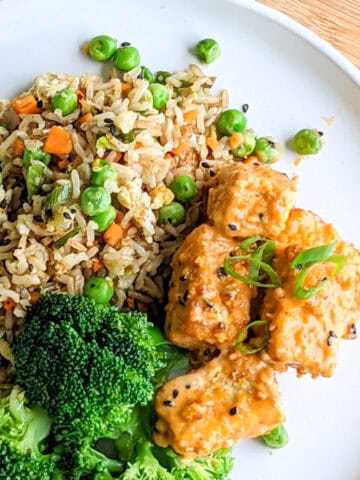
[305, 293]
[274, 277]
[60, 195]
[242, 347]
[313, 255]
[247, 245]
[62, 241]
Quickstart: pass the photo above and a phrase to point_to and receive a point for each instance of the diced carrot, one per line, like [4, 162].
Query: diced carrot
[138, 145]
[26, 104]
[190, 116]
[88, 117]
[125, 88]
[212, 143]
[63, 164]
[113, 234]
[34, 297]
[85, 48]
[183, 147]
[235, 140]
[58, 142]
[130, 303]
[18, 147]
[9, 305]
[97, 264]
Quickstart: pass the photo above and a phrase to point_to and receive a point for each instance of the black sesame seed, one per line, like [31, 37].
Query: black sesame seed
[205, 165]
[261, 215]
[38, 218]
[330, 339]
[187, 386]
[233, 411]
[221, 326]
[3, 204]
[108, 120]
[168, 403]
[183, 278]
[207, 352]
[221, 272]
[175, 393]
[125, 44]
[73, 211]
[209, 304]
[71, 158]
[245, 107]
[320, 133]
[113, 129]
[332, 334]
[31, 267]
[39, 104]
[353, 329]
[67, 215]
[271, 143]
[232, 226]
[212, 173]
[4, 242]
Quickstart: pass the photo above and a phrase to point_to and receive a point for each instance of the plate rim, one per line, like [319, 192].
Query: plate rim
[305, 33]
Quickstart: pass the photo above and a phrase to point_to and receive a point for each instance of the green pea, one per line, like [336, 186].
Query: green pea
[34, 178]
[105, 219]
[1, 179]
[266, 150]
[104, 171]
[160, 95]
[94, 200]
[231, 121]
[173, 213]
[247, 146]
[161, 76]
[102, 48]
[147, 74]
[207, 50]
[307, 142]
[98, 289]
[126, 58]
[37, 155]
[66, 100]
[277, 438]
[184, 188]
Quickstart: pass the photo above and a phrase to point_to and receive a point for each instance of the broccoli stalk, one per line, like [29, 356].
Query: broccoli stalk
[22, 433]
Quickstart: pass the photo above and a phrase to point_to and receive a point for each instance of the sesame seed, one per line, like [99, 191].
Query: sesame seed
[330, 339]
[168, 403]
[245, 107]
[71, 158]
[233, 411]
[113, 129]
[67, 215]
[232, 226]
[221, 326]
[221, 272]
[205, 165]
[209, 304]
[73, 211]
[207, 352]
[187, 386]
[353, 329]
[125, 44]
[183, 278]
[4, 242]
[38, 218]
[108, 120]
[39, 104]
[320, 133]
[31, 267]
[271, 143]
[175, 393]
[3, 204]
[212, 173]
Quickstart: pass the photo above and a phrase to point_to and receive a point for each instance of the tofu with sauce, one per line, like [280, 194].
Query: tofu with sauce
[305, 333]
[206, 307]
[248, 200]
[232, 397]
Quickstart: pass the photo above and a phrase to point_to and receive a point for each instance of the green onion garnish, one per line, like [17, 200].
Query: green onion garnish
[62, 241]
[307, 259]
[242, 347]
[277, 438]
[260, 260]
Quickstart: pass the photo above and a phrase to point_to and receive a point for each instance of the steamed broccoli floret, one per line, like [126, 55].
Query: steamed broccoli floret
[145, 465]
[86, 364]
[82, 462]
[22, 432]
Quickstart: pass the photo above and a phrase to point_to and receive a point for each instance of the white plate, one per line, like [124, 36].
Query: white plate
[291, 79]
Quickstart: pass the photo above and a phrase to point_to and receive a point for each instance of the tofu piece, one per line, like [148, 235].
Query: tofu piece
[232, 397]
[206, 306]
[249, 200]
[305, 334]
